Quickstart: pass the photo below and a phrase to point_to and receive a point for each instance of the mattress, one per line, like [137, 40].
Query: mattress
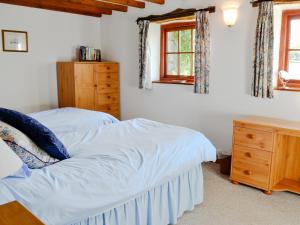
[112, 163]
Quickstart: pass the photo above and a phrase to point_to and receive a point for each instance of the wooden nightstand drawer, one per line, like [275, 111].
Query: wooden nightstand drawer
[252, 174]
[252, 156]
[253, 138]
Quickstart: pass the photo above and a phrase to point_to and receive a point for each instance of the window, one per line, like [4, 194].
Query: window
[177, 53]
[290, 47]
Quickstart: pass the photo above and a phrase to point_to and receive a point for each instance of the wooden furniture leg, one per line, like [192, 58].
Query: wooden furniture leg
[234, 182]
[268, 192]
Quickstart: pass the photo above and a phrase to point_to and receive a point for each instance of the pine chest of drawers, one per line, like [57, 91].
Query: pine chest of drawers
[266, 154]
[89, 85]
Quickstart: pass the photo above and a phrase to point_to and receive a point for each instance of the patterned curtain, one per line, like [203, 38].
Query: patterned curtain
[143, 34]
[202, 53]
[263, 60]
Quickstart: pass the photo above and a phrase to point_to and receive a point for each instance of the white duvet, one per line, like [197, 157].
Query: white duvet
[111, 163]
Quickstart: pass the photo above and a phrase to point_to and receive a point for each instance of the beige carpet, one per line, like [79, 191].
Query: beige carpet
[228, 204]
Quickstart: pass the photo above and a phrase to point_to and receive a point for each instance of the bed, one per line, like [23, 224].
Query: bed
[134, 172]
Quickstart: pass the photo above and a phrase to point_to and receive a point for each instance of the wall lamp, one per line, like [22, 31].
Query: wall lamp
[230, 16]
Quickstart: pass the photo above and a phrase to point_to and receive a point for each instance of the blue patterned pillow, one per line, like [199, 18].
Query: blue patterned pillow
[30, 154]
[38, 133]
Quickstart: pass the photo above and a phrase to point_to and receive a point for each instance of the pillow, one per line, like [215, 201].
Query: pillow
[38, 133]
[9, 161]
[31, 155]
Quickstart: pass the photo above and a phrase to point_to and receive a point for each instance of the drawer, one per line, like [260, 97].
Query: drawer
[107, 98]
[253, 138]
[252, 156]
[106, 67]
[108, 87]
[252, 126]
[112, 109]
[250, 173]
[107, 77]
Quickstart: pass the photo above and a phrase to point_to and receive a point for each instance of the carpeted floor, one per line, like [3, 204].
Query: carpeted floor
[228, 204]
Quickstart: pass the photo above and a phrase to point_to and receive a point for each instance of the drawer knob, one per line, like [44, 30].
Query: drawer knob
[248, 154]
[109, 97]
[108, 67]
[95, 85]
[108, 76]
[108, 85]
[248, 172]
[108, 108]
[250, 136]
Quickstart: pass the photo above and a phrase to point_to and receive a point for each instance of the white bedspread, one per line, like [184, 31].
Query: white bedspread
[110, 164]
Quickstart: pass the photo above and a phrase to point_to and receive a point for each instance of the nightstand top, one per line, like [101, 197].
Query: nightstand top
[270, 122]
[13, 213]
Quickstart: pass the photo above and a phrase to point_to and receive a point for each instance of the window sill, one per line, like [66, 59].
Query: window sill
[287, 89]
[182, 82]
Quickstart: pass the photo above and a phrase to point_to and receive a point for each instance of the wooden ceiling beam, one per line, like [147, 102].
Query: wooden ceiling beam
[62, 6]
[103, 5]
[132, 3]
[83, 7]
[156, 1]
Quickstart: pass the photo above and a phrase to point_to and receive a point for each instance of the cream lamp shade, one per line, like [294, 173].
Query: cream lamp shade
[230, 16]
[9, 161]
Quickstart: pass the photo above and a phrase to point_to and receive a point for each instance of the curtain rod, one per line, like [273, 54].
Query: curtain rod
[177, 14]
[210, 9]
[256, 2]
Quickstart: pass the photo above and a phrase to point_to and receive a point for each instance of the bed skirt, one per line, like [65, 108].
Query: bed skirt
[161, 205]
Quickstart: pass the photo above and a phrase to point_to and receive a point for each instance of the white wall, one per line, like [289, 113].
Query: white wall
[28, 80]
[230, 81]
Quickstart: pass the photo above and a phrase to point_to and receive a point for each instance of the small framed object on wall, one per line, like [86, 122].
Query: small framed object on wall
[14, 41]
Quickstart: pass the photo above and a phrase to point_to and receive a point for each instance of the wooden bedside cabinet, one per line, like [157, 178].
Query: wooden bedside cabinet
[13, 213]
[266, 154]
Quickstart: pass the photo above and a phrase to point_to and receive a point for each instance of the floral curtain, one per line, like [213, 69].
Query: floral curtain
[143, 35]
[263, 59]
[202, 53]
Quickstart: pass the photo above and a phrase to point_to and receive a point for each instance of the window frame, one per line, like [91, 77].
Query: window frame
[287, 17]
[164, 77]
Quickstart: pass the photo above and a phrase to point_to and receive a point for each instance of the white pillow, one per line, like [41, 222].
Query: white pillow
[33, 156]
[10, 163]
